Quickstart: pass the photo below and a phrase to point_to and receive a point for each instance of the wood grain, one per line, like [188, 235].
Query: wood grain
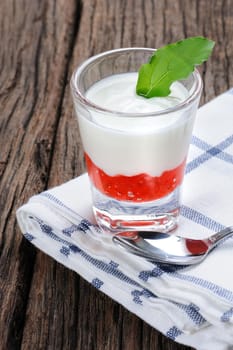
[37, 37]
[42, 304]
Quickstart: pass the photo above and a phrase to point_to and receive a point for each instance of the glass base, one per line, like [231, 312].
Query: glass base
[117, 216]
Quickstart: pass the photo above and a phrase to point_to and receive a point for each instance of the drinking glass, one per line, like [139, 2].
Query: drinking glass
[135, 161]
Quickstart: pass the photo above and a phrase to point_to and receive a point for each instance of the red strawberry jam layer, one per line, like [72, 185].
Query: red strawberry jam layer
[136, 188]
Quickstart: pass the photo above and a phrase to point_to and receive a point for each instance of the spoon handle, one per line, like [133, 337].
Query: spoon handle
[221, 236]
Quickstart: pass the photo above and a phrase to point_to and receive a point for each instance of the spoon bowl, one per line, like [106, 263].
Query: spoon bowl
[169, 248]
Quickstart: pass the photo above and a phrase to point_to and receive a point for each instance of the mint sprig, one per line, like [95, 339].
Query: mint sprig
[171, 63]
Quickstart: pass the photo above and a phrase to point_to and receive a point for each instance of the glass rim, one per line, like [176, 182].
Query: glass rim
[197, 87]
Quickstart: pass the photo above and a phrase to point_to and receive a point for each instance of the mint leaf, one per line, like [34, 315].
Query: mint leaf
[171, 63]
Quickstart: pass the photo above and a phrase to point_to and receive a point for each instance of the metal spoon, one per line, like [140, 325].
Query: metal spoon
[168, 248]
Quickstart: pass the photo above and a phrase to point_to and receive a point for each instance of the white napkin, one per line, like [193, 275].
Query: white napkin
[192, 305]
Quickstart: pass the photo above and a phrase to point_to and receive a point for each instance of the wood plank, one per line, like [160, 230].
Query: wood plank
[40, 147]
[37, 37]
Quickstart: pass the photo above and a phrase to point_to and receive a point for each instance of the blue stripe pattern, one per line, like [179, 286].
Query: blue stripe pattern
[210, 151]
[213, 151]
[138, 293]
[175, 272]
[227, 315]
[173, 333]
[200, 219]
[29, 236]
[84, 226]
[192, 311]
[97, 283]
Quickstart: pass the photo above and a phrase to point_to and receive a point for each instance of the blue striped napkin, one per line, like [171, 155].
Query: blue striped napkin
[191, 305]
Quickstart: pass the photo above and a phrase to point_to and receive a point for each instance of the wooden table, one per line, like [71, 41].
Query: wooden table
[42, 304]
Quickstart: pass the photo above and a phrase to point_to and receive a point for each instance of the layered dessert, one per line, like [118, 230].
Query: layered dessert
[131, 153]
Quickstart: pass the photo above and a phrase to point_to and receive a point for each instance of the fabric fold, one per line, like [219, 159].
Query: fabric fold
[191, 305]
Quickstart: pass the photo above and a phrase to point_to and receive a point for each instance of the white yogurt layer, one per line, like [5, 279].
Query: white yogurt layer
[129, 145]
